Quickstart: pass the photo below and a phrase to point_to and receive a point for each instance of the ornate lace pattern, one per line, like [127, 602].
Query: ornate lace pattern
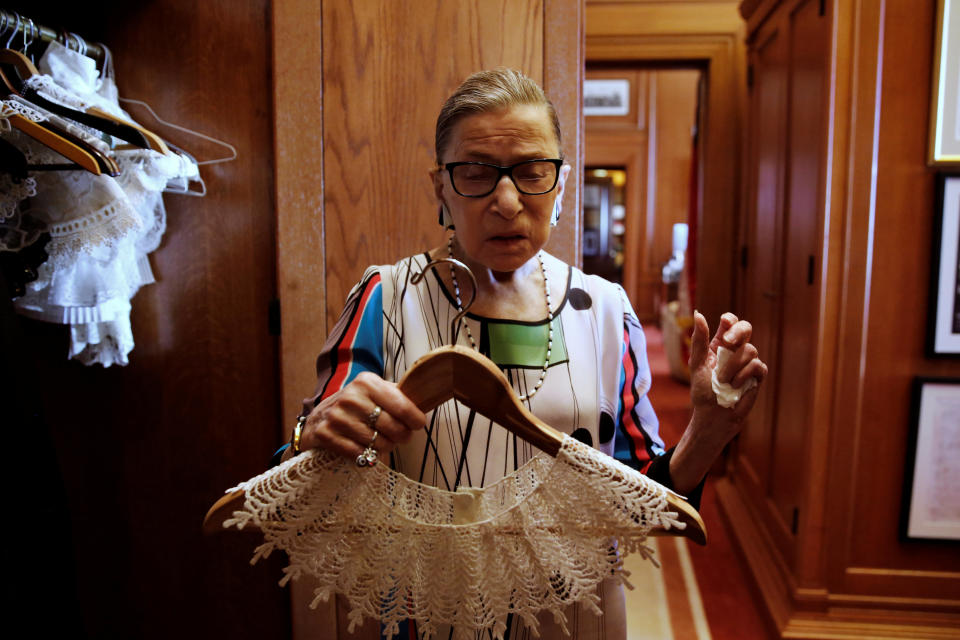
[12, 192]
[47, 86]
[537, 541]
[12, 106]
[101, 229]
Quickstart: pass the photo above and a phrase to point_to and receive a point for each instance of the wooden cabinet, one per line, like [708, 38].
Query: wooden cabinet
[144, 449]
[828, 251]
[787, 73]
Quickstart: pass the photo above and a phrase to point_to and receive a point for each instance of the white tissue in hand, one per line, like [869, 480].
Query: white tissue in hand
[727, 395]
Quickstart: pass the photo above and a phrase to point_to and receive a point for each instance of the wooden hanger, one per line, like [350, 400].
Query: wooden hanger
[473, 379]
[156, 142]
[81, 155]
[14, 162]
[17, 68]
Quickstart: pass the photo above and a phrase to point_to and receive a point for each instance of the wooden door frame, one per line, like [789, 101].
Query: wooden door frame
[720, 54]
[610, 150]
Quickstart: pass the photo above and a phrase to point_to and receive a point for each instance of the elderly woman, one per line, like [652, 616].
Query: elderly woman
[569, 343]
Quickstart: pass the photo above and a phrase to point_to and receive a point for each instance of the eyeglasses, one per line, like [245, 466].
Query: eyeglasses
[530, 177]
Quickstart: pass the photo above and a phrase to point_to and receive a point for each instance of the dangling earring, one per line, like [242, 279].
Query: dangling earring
[444, 217]
[555, 216]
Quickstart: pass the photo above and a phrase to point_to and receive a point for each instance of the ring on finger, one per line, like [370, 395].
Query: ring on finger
[374, 416]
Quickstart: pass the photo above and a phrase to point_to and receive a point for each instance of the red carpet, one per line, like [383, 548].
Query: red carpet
[730, 604]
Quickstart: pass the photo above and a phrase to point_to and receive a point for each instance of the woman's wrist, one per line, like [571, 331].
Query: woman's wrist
[702, 442]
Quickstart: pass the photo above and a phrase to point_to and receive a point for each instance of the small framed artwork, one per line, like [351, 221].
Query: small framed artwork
[944, 143]
[591, 242]
[606, 97]
[943, 333]
[591, 194]
[931, 499]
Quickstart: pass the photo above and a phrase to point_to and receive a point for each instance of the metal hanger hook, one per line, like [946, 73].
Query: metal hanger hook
[33, 36]
[417, 277]
[15, 29]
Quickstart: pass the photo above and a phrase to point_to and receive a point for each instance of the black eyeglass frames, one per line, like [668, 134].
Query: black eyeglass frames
[530, 177]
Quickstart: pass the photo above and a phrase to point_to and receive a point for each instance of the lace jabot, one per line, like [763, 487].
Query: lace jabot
[101, 228]
[536, 541]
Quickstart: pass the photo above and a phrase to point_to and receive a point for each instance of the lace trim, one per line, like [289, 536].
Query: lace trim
[537, 541]
[11, 107]
[12, 192]
[104, 343]
[88, 134]
[107, 215]
[48, 88]
[19, 232]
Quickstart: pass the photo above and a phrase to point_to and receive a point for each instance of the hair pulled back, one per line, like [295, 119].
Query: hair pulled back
[487, 91]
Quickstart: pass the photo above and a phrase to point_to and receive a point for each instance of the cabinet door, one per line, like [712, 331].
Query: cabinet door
[144, 450]
[788, 64]
[803, 195]
[763, 248]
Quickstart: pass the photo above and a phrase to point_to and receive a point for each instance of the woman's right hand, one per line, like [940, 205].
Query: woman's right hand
[342, 423]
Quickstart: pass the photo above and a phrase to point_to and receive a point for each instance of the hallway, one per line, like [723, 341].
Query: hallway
[715, 600]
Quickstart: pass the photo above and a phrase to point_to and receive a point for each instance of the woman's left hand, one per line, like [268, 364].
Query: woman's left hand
[744, 363]
[712, 426]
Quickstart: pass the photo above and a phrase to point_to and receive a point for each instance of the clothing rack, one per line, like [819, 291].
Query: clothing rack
[13, 24]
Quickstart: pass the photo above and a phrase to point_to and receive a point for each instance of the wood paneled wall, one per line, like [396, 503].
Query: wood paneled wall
[145, 449]
[850, 350]
[387, 69]
[890, 275]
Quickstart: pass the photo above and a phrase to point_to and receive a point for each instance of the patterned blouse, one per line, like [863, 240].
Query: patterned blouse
[595, 387]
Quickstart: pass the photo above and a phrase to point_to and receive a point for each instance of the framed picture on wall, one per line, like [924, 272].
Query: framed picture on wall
[943, 333]
[945, 102]
[606, 97]
[931, 497]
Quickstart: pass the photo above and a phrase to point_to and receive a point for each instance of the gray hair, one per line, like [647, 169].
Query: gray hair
[487, 91]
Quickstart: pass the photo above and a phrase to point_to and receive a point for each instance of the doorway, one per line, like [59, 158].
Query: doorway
[641, 179]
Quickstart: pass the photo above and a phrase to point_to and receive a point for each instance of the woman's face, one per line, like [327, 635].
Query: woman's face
[505, 229]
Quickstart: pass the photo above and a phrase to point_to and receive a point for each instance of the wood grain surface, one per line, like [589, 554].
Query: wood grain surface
[851, 343]
[143, 449]
[388, 67]
[658, 178]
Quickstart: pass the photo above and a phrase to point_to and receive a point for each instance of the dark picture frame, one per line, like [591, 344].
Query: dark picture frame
[943, 331]
[931, 481]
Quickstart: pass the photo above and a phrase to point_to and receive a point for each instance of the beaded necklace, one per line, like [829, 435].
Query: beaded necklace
[546, 288]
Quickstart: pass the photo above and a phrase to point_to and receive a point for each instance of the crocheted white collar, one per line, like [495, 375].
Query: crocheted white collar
[538, 540]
